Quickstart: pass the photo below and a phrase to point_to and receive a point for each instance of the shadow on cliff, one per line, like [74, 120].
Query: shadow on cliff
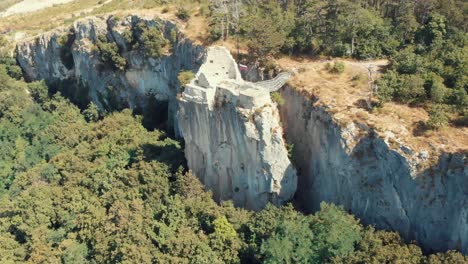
[377, 182]
[426, 206]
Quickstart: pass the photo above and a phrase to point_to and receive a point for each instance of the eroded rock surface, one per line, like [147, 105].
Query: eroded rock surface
[392, 187]
[69, 60]
[233, 137]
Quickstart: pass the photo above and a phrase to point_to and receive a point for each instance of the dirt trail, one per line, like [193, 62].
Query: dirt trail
[31, 6]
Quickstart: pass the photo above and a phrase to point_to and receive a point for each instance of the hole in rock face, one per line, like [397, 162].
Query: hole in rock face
[236, 189]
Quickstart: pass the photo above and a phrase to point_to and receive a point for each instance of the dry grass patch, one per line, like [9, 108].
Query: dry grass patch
[5, 4]
[348, 96]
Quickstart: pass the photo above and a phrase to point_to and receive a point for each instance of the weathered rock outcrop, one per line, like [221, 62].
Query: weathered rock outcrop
[393, 188]
[233, 137]
[69, 60]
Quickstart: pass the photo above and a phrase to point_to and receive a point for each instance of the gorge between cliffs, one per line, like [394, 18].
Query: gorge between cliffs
[233, 133]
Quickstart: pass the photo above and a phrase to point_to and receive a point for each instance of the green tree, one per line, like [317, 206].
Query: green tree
[336, 233]
[268, 28]
[225, 240]
[109, 54]
[437, 117]
[291, 242]
[91, 113]
[184, 78]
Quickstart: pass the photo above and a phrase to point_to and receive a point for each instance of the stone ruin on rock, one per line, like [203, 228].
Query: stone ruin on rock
[233, 138]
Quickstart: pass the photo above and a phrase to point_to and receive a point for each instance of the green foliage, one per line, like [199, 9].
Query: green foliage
[224, 239]
[337, 68]
[382, 247]
[185, 77]
[277, 98]
[76, 188]
[39, 91]
[335, 232]
[14, 71]
[182, 13]
[437, 117]
[153, 42]
[91, 113]
[147, 38]
[421, 41]
[109, 54]
[267, 27]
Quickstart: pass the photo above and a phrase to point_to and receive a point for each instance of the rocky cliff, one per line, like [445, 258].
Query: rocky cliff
[70, 61]
[233, 138]
[385, 184]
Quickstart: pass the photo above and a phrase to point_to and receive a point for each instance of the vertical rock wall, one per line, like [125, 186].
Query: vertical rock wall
[233, 138]
[380, 185]
[75, 64]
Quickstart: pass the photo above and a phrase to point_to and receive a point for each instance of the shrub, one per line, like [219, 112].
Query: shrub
[149, 39]
[277, 98]
[438, 92]
[91, 113]
[173, 36]
[185, 77]
[357, 77]
[39, 91]
[410, 89]
[437, 117]
[337, 68]
[406, 62]
[109, 52]
[128, 38]
[14, 71]
[183, 14]
[301, 70]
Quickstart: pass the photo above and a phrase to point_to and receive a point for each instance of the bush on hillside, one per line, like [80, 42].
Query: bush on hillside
[337, 68]
[109, 54]
[183, 14]
[185, 77]
[277, 98]
[438, 117]
[153, 42]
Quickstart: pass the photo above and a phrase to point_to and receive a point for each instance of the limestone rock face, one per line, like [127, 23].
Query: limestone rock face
[74, 64]
[233, 138]
[384, 186]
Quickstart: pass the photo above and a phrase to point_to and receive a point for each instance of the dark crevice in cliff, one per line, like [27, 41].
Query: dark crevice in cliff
[374, 181]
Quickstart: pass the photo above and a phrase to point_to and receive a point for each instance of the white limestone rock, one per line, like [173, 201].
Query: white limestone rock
[383, 186]
[233, 139]
[144, 80]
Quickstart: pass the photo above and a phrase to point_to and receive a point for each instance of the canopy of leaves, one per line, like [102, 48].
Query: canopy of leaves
[78, 187]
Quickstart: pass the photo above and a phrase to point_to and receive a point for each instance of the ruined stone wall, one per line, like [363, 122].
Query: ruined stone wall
[233, 138]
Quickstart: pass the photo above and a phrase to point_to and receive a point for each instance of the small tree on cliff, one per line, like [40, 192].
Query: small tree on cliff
[184, 78]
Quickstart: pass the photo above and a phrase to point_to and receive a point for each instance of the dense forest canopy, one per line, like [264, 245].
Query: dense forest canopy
[425, 42]
[92, 187]
[85, 186]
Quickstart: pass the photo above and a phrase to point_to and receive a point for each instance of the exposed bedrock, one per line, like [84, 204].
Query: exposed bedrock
[388, 188]
[69, 60]
[233, 138]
